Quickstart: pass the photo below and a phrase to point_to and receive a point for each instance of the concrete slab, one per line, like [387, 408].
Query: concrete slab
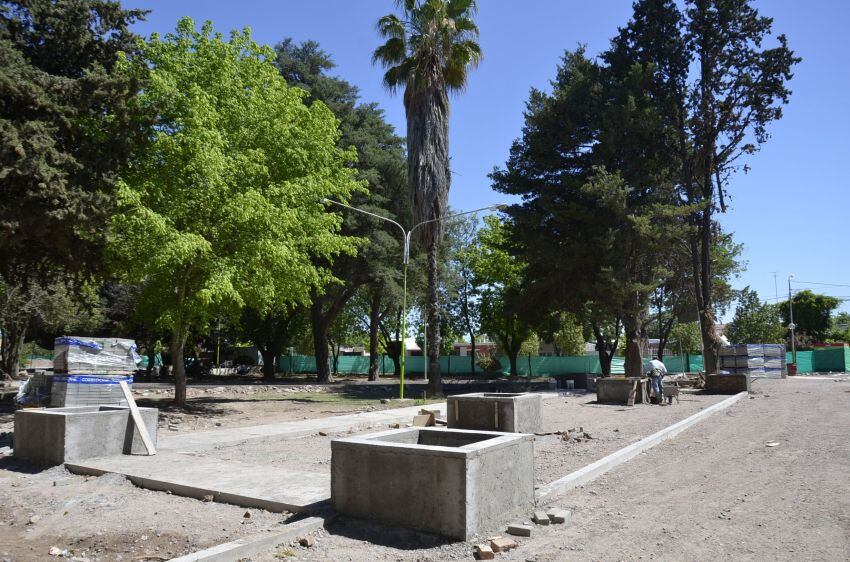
[192, 475]
[205, 440]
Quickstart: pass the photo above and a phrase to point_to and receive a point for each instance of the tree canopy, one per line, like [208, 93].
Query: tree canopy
[754, 321]
[223, 209]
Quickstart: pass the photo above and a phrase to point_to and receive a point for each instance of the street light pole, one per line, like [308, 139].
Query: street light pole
[405, 259]
[791, 325]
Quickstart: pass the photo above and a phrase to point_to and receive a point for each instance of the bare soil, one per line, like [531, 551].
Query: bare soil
[715, 492]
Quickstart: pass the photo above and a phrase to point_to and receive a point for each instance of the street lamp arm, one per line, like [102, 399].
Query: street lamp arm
[447, 217]
[377, 216]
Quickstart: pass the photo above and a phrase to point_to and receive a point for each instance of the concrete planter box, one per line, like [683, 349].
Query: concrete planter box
[615, 390]
[727, 384]
[451, 482]
[512, 413]
[57, 435]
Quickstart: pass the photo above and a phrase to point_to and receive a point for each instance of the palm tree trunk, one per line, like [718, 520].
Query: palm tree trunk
[435, 385]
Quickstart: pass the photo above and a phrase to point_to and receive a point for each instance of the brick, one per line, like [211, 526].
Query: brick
[502, 544]
[559, 515]
[519, 530]
[541, 518]
[484, 552]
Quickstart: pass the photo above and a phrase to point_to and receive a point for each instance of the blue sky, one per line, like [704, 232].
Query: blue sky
[790, 211]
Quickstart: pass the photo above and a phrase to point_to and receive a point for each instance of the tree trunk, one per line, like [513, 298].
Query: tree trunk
[374, 321]
[270, 355]
[13, 345]
[435, 385]
[472, 352]
[178, 342]
[605, 362]
[634, 357]
[320, 343]
[512, 357]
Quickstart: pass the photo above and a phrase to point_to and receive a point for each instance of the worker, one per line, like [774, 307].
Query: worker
[656, 370]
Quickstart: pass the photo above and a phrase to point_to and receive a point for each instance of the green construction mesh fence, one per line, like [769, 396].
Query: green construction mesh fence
[459, 365]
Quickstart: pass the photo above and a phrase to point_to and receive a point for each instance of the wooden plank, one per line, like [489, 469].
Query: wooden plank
[632, 394]
[137, 418]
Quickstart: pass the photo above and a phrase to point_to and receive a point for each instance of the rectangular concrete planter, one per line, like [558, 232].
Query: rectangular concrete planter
[451, 482]
[57, 435]
[509, 412]
[615, 390]
[727, 384]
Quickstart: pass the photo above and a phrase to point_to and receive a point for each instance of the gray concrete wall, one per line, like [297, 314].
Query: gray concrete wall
[454, 491]
[513, 413]
[56, 435]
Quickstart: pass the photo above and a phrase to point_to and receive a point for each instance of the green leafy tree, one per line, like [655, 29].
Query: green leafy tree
[429, 51]
[498, 274]
[568, 335]
[755, 321]
[65, 133]
[222, 211]
[686, 337]
[380, 163]
[672, 303]
[812, 314]
[463, 298]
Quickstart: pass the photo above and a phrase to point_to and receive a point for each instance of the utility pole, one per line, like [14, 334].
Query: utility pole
[791, 325]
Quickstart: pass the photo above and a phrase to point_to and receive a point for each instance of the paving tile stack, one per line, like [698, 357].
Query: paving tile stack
[753, 359]
[87, 371]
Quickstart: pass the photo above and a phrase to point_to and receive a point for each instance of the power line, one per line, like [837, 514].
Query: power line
[817, 283]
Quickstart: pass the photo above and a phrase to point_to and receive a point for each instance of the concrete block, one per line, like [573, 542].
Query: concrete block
[615, 390]
[454, 483]
[559, 515]
[519, 530]
[541, 518]
[508, 412]
[57, 435]
[727, 384]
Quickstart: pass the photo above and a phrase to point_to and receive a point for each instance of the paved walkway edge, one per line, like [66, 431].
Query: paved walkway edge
[549, 492]
[249, 546]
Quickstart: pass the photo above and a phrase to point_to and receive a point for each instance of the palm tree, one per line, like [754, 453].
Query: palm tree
[429, 51]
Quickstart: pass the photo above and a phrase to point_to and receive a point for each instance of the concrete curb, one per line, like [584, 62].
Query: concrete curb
[249, 546]
[549, 492]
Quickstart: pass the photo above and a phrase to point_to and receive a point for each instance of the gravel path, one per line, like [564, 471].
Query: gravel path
[714, 492]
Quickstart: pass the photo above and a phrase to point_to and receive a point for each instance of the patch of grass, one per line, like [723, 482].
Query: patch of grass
[288, 553]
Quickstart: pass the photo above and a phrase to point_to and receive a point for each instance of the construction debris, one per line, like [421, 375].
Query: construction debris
[502, 544]
[540, 518]
[519, 530]
[483, 552]
[557, 515]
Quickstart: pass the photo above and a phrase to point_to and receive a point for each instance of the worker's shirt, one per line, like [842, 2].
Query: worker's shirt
[655, 368]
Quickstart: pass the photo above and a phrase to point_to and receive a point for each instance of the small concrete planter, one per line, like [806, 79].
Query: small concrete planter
[57, 435]
[450, 482]
[615, 390]
[512, 413]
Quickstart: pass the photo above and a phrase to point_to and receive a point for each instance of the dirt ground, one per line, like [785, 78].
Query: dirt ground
[716, 491]
[108, 518]
[595, 430]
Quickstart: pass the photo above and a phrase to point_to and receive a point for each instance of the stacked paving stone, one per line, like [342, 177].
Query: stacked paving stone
[753, 359]
[88, 371]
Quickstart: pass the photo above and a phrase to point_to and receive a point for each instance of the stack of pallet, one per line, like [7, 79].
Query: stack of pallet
[87, 371]
[755, 360]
